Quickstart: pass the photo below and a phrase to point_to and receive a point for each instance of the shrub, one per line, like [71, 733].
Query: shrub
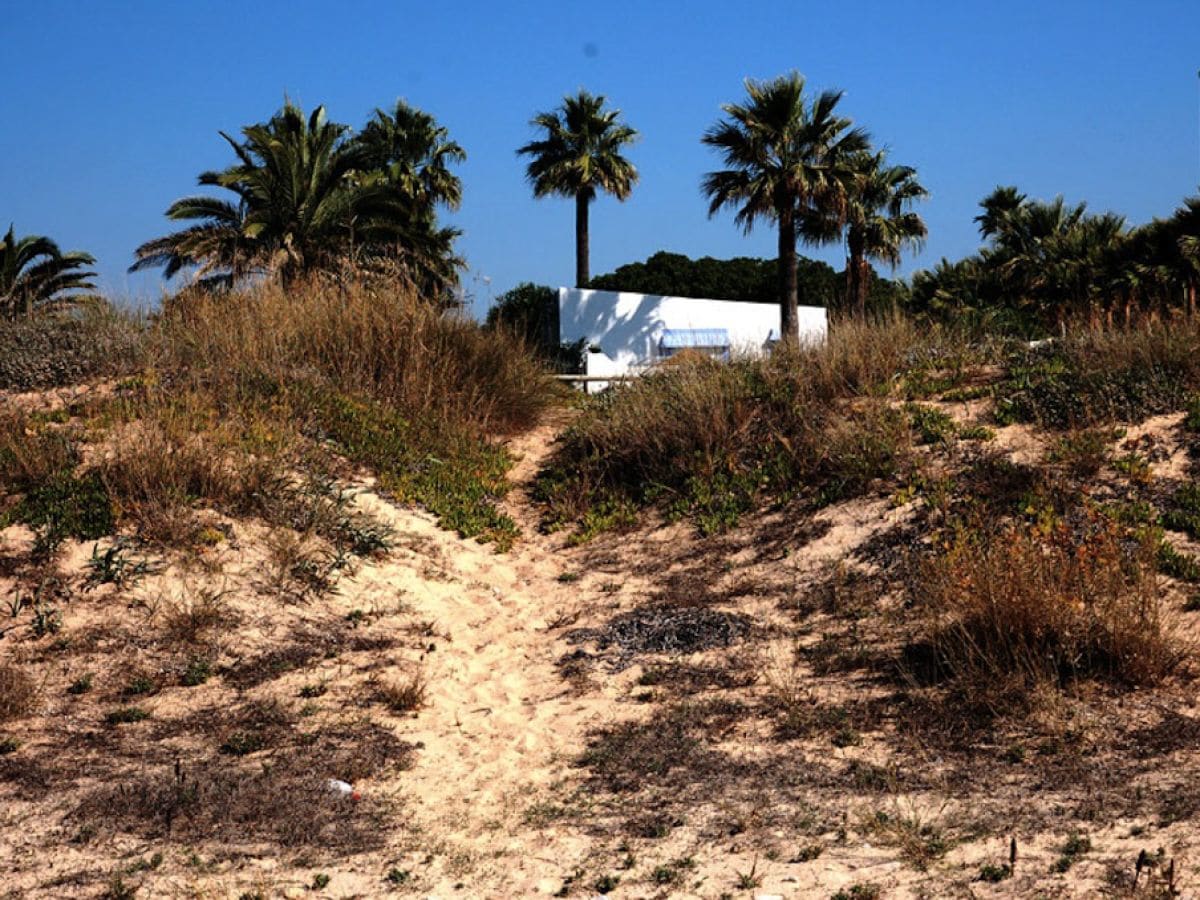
[711, 440]
[177, 454]
[1083, 452]
[66, 505]
[1095, 376]
[55, 350]
[1013, 608]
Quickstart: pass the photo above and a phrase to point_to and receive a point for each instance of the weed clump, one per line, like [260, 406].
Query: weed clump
[1013, 608]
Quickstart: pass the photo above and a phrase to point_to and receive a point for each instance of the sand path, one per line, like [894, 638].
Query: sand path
[500, 724]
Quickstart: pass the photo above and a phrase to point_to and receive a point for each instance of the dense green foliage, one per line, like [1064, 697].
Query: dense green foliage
[529, 311]
[309, 196]
[742, 278]
[1048, 261]
[35, 273]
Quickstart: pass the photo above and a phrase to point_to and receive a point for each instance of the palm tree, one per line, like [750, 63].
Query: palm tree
[879, 223]
[413, 153]
[786, 158]
[579, 155]
[218, 248]
[407, 151]
[298, 206]
[34, 272]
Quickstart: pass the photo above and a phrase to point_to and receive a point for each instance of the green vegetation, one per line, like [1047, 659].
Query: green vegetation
[1097, 376]
[579, 154]
[36, 274]
[789, 160]
[367, 201]
[1047, 262]
[878, 220]
[748, 279]
[711, 441]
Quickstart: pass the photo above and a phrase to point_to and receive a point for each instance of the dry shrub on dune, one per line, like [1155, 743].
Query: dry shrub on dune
[709, 438]
[1011, 609]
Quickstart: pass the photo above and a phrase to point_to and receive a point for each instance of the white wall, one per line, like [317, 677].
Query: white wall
[627, 327]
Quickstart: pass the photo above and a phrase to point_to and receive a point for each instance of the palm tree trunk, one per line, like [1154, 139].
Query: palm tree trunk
[789, 313]
[856, 278]
[582, 276]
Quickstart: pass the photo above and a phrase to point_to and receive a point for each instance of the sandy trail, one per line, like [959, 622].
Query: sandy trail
[500, 724]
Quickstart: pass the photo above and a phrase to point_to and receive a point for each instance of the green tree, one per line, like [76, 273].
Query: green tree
[786, 157]
[741, 278]
[407, 150]
[579, 154]
[34, 272]
[306, 200]
[1043, 261]
[879, 221]
[527, 310]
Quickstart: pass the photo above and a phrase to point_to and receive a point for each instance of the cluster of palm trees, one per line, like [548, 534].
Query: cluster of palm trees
[311, 195]
[1047, 261]
[789, 159]
[308, 195]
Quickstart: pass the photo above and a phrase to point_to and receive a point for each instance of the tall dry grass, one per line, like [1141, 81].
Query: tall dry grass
[375, 340]
[705, 437]
[1014, 611]
[245, 394]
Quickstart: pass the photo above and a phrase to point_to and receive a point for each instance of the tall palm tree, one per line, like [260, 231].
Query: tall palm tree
[298, 208]
[879, 221]
[787, 157]
[34, 272]
[580, 154]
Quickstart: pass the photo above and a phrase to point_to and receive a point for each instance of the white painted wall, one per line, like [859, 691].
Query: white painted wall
[627, 327]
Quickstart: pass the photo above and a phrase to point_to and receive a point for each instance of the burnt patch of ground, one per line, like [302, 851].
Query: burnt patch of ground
[663, 630]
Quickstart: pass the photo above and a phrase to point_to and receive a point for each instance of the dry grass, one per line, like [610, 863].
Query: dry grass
[196, 617]
[32, 452]
[243, 392]
[159, 468]
[378, 340]
[1012, 610]
[402, 695]
[17, 692]
[710, 439]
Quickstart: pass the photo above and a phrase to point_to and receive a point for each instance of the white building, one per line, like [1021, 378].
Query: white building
[626, 333]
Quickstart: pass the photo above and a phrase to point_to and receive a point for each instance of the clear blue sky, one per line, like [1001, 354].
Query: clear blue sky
[111, 109]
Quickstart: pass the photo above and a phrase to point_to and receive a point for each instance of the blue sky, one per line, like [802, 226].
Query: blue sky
[111, 109]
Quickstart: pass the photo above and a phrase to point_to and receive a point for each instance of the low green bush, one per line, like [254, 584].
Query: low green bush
[1096, 377]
